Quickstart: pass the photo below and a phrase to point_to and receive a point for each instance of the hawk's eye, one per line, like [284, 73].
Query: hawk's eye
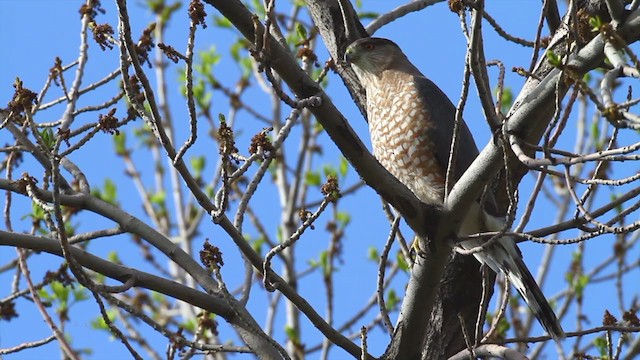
[368, 46]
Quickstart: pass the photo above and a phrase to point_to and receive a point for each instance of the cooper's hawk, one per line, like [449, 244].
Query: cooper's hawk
[411, 124]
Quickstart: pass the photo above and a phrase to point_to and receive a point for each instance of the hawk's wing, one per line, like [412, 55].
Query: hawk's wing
[442, 114]
[504, 255]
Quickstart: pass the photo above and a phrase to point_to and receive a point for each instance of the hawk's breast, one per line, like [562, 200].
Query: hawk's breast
[398, 123]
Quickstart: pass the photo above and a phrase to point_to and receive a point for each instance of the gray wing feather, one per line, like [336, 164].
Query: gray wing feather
[443, 113]
[503, 256]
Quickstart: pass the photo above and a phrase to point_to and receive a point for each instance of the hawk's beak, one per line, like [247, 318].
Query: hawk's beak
[348, 55]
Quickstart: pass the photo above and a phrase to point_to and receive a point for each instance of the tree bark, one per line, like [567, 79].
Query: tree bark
[434, 308]
[460, 287]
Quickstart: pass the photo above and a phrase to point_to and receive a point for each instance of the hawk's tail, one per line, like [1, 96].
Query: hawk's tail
[526, 285]
[504, 256]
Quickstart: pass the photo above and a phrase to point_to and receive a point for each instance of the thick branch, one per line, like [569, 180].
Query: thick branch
[123, 274]
[246, 325]
[529, 118]
[282, 61]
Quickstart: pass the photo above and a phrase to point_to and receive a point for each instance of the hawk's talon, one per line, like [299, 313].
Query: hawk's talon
[416, 250]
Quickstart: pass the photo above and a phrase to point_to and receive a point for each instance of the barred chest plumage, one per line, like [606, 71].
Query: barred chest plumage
[398, 124]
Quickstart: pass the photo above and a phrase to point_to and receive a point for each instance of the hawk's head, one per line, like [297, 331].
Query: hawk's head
[373, 56]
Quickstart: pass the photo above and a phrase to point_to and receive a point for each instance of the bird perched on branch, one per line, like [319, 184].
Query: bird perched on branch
[411, 122]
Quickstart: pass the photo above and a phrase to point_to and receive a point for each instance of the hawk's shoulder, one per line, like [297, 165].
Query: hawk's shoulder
[442, 113]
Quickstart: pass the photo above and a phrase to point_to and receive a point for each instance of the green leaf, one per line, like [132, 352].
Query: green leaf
[576, 256]
[506, 100]
[44, 294]
[69, 228]
[158, 297]
[236, 48]
[595, 130]
[293, 39]
[61, 292]
[317, 127]
[580, 283]
[144, 134]
[330, 171]
[402, 263]
[291, 333]
[392, 299]
[223, 22]
[108, 193]
[344, 218]
[315, 74]
[209, 57]
[343, 167]
[207, 60]
[190, 325]
[99, 324]
[113, 257]
[553, 58]
[197, 164]
[503, 325]
[324, 262]
[257, 244]
[245, 66]
[119, 142]
[373, 254]
[48, 138]
[80, 293]
[99, 278]
[155, 5]
[168, 11]
[158, 198]
[199, 90]
[259, 8]
[595, 23]
[204, 101]
[368, 15]
[37, 213]
[182, 77]
[301, 31]
[595, 135]
[601, 344]
[313, 178]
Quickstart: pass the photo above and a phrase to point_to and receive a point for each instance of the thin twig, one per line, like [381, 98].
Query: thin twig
[382, 265]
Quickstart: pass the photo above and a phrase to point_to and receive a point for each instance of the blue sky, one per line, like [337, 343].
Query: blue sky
[34, 32]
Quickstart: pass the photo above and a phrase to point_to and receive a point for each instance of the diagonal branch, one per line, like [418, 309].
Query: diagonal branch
[529, 118]
[332, 121]
[242, 320]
